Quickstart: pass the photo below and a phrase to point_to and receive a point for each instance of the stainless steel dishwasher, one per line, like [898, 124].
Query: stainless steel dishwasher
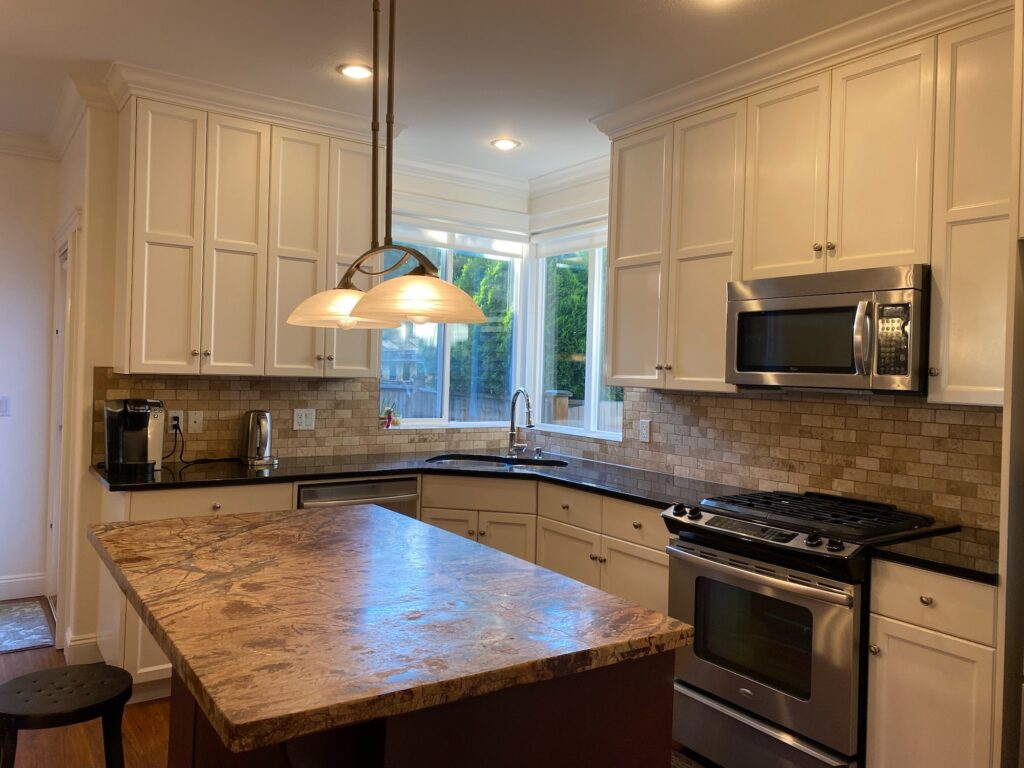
[399, 494]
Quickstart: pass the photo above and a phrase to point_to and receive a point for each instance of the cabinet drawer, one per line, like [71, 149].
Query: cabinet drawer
[936, 601]
[227, 500]
[634, 522]
[479, 493]
[566, 505]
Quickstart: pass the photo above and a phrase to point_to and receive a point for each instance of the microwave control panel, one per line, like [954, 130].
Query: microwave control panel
[893, 340]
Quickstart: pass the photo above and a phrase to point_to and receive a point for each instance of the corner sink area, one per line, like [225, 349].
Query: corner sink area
[477, 459]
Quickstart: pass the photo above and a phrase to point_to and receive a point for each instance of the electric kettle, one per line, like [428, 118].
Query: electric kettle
[256, 439]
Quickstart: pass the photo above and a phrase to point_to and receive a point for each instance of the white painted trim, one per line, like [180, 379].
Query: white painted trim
[76, 96]
[81, 649]
[124, 80]
[592, 212]
[428, 211]
[24, 145]
[575, 175]
[446, 173]
[22, 585]
[895, 25]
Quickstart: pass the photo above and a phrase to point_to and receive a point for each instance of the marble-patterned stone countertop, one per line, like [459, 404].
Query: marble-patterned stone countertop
[287, 623]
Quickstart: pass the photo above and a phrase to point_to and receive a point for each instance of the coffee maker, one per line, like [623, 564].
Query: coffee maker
[134, 437]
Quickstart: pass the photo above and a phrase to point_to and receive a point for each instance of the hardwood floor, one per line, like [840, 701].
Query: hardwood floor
[81, 746]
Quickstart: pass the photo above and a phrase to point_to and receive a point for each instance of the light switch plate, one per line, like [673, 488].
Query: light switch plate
[643, 430]
[5, 406]
[304, 418]
[195, 421]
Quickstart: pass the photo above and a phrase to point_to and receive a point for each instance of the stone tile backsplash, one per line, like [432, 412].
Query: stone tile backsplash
[935, 459]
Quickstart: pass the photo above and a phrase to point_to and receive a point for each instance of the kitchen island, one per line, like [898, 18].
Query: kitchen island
[313, 637]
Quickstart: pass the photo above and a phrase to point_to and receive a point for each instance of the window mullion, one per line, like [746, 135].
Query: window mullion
[593, 398]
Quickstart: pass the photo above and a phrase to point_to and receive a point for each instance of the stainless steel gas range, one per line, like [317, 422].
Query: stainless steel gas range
[774, 585]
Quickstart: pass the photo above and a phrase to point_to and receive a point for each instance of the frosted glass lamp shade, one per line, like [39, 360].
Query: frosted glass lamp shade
[419, 299]
[333, 309]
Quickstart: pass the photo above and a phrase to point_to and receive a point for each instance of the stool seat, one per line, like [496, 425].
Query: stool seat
[63, 696]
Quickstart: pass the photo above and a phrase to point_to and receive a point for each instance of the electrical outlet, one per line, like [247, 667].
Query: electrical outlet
[195, 422]
[175, 419]
[304, 418]
[643, 429]
[5, 406]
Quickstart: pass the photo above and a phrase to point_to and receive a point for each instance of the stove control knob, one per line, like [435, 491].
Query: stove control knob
[694, 514]
[835, 545]
[680, 509]
[813, 540]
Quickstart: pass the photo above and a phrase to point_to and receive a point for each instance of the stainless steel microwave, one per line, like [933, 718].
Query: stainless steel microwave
[862, 329]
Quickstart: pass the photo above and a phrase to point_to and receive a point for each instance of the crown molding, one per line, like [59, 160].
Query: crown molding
[596, 169]
[24, 145]
[124, 80]
[449, 212]
[445, 173]
[886, 28]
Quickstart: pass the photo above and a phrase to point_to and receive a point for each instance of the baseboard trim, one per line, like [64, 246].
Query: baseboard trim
[155, 689]
[22, 585]
[81, 649]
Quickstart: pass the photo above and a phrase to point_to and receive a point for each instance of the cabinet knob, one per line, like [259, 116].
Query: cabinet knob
[593, 557]
[216, 507]
[471, 532]
[330, 358]
[319, 358]
[659, 367]
[565, 507]
[934, 371]
[637, 524]
[482, 533]
[874, 650]
[668, 367]
[816, 248]
[602, 559]
[927, 600]
[831, 248]
[206, 353]
[195, 353]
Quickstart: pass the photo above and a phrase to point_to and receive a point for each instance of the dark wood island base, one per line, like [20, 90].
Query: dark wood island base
[617, 716]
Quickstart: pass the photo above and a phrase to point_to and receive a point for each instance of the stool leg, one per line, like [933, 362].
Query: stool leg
[8, 744]
[113, 750]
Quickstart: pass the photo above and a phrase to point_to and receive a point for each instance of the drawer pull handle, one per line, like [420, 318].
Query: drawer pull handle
[216, 507]
[927, 600]
[565, 507]
[637, 524]
[874, 650]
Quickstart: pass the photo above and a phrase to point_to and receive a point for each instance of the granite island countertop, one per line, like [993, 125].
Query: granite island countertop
[288, 623]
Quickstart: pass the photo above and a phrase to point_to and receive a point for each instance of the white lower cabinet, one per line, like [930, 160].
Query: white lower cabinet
[511, 532]
[929, 699]
[569, 550]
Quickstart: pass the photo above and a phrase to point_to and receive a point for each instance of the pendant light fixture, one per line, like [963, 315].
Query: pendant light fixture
[419, 296]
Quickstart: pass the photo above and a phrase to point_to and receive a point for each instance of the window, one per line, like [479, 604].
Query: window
[570, 340]
[434, 373]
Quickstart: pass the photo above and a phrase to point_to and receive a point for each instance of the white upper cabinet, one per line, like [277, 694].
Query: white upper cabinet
[787, 179]
[638, 254]
[298, 248]
[235, 261]
[706, 245]
[167, 245]
[880, 159]
[971, 237]
[350, 353]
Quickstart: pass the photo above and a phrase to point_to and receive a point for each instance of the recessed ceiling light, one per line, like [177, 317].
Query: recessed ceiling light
[355, 71]
[505, 145]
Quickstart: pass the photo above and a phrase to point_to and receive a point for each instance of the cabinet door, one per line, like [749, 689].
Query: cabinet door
[929, 699]
[509, 532]
[298, 248]
[635, 573]
[350, 353]
[880, 159]
[458, 521]
[235, 261]
[638, 253]
[787, 179]
[167, 250]
[971, 253]
[707, 245]
[569, 550]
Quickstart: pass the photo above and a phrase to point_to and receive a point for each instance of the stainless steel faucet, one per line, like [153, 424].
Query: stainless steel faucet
[516, 448]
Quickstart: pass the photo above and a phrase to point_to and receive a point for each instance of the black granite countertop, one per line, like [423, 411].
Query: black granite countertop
[970, 553]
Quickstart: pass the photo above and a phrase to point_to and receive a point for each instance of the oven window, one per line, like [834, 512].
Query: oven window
[763, 638]
[796, 341]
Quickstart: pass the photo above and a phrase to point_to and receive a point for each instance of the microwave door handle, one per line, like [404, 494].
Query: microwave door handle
[862, 338]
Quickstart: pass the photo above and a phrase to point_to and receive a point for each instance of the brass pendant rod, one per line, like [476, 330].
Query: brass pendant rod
[375, 130]
[390, 123]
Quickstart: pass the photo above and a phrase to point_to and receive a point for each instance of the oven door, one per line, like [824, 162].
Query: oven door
[805, 341]
[786, 651]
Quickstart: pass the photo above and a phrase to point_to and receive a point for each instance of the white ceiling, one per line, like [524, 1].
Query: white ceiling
[468, 70]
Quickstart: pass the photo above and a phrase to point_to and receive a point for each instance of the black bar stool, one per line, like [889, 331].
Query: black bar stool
[64, 696]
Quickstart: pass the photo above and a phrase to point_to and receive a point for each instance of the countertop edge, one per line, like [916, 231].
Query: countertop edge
[957, 571]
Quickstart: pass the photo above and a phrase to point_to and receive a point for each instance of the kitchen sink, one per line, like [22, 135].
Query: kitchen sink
[477, 459]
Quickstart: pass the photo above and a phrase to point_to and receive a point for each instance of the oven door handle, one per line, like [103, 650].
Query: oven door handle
[862, 338]
[813, 593]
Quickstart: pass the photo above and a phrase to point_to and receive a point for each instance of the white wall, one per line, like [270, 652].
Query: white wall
[28, 193]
